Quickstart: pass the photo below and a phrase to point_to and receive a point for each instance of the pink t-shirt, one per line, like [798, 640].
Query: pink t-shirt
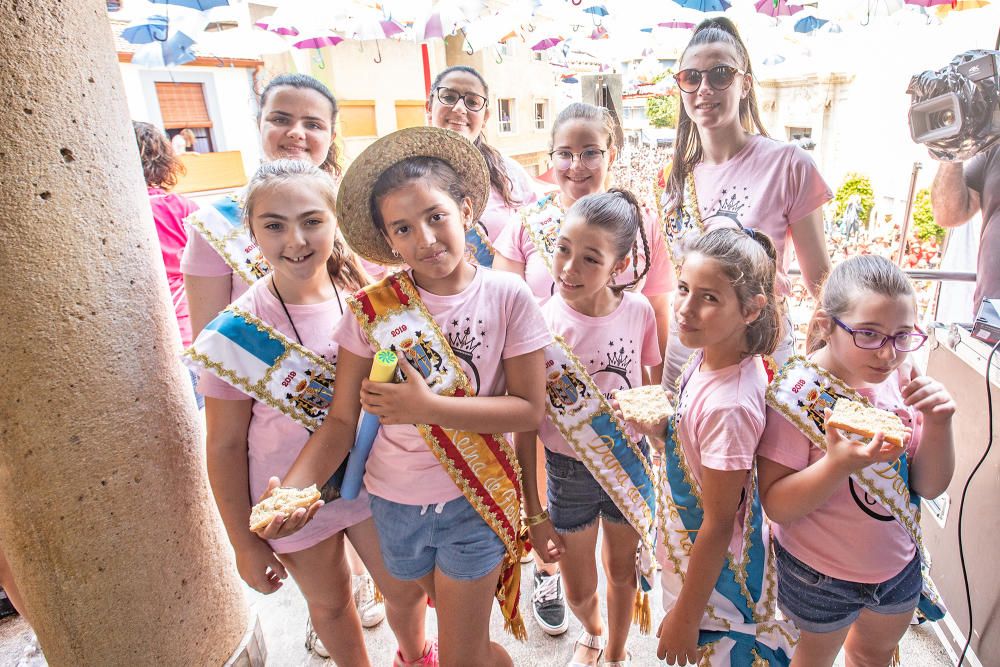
[516, 245]
[169, 211]
[720, 418]
[828, 538]
[769, 185]
[498, 215]
[274, 440]
[492, 319]
[613, 349]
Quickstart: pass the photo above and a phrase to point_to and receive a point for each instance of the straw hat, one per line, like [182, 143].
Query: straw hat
[354, 200]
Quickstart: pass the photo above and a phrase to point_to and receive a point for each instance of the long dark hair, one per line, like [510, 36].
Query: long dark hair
[343, 264]
[499, 179]
[687, 146]
[331, 164]
[619, 213]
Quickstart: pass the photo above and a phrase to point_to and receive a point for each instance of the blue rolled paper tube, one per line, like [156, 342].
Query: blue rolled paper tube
[383, 369]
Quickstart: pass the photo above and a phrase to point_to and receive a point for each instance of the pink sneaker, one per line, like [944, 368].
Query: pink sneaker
[428, 659]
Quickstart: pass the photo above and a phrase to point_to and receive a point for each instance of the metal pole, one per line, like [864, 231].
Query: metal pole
[909, 211]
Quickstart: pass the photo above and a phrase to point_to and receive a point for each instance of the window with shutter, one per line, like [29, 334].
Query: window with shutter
[182, 105]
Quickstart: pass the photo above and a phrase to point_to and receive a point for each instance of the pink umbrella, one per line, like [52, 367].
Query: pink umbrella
[679, 25]
[276, 27]
[930, 3]
[546, 43]
[776, 8]
[318, 41]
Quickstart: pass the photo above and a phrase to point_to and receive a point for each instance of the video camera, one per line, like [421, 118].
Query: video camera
[956, 109]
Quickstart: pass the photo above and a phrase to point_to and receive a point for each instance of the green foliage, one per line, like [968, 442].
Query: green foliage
[662, 110]
[859, 184]
[923, 218]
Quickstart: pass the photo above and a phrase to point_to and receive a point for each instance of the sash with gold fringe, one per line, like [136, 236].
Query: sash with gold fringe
[682, 223]
[578, 409]
[243, 350]
[542, 221]
[800, 391]
[482, 465]
[478, 249]
[221, 224]
[739, 625]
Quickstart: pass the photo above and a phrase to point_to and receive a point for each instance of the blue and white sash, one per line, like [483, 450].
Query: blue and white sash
[576, 406]
[221, 224]
[478, 249]
[243, 350]
[800, 391]
[739, 625]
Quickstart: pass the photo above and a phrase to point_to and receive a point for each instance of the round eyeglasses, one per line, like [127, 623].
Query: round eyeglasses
[592, 158]
[719, 77]
[867, 339]
[450, 98]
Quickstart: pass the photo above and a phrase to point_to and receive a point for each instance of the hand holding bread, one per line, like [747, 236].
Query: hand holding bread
[282, 511]
[849, 455]
[647, 409]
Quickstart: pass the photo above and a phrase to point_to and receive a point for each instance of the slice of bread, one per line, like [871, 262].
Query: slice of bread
[282, 501]
[644, 405]
[858, 418]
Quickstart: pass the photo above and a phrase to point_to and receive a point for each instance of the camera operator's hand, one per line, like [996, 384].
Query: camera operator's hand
[952, 201]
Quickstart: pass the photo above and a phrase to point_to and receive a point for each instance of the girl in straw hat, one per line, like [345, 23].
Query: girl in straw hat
[256, 426]
[444, 488]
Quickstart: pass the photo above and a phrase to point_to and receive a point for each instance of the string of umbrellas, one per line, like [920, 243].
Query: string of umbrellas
[172, 32]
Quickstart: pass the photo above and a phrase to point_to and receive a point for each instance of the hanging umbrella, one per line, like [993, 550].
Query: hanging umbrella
[273, 24]
[808, 24]
[175, 50]
[253, 41]
[775, 59]
[546, 43]
[144, 31]
[200, 5]
[705, 5]
[597, 11]
[959, 6]
[570, 79]
[676, 25]
[776, 8]
[930, 3]
[317, 41]
[600, 32]
[832, 27]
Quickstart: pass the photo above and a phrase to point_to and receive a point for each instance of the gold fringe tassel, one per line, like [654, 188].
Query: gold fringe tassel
[379, 598]
[642, 613]
[895, 661]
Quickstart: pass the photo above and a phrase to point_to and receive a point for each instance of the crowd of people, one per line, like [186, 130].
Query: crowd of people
[511, 312]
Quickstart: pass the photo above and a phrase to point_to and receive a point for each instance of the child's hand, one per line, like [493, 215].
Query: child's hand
[259, 567]
[547, 542]
[654, 431]
[407, 402]
[929, 397]
[678, 640]
[281, 526]
[850, 456]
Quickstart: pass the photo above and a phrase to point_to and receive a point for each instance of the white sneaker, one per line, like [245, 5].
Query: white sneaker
[313, 642]
[371, 611]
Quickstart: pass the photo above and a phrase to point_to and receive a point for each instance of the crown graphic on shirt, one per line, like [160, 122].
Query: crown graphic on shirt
[463, 342]
[731, 205]
[618, 361]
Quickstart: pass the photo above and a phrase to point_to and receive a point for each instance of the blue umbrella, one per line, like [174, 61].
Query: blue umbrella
[144, 31]
[705, 5]
[176, 50]
[809, 24]
[200, 5]
[597, 10]
[775, 59]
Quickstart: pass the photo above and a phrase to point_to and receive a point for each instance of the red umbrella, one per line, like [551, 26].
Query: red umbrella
[776, 8]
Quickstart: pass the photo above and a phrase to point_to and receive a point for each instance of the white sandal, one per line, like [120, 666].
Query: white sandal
[595, 642]
[627, 662]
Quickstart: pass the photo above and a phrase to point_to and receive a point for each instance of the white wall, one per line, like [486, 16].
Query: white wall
[229, 97]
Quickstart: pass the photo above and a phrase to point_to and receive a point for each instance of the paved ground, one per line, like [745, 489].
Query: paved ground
[283, 617]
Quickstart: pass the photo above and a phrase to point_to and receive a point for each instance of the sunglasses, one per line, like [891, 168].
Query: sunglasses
[873, 340]
[450, 98]
[719, 77]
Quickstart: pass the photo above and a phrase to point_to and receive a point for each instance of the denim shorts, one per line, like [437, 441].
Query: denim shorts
[451, 536]
[820, 603]
[576, 499]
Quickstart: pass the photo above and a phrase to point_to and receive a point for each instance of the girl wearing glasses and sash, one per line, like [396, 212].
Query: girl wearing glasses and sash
[269, 371]
[444, 484]
[829, 494]
[727, 169]
[459, 101]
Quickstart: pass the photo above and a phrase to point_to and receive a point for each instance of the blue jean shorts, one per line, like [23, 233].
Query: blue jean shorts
[576, 499]
[820, 603]
[451, 536]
